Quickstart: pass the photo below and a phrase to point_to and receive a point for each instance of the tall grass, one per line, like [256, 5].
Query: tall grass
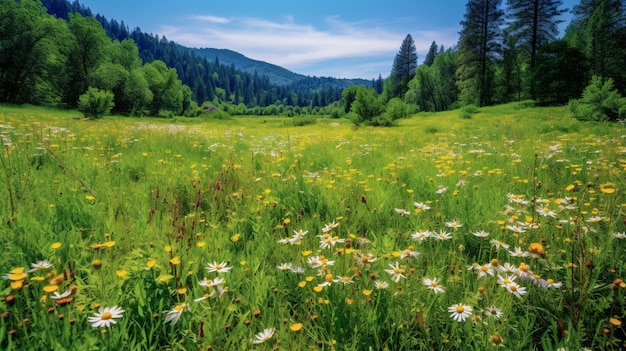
[516, 211]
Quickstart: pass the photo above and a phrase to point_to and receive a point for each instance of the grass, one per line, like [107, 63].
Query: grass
[517, 211]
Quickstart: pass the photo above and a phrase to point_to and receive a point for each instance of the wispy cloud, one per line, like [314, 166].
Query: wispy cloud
[304, 48]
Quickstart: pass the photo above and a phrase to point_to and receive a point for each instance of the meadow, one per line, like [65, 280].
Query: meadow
[505, 230]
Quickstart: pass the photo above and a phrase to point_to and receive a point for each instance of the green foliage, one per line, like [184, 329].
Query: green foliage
[560, 74]
[300, 121]
[33, 52]
[600, 102]
[468, 111]
[367, 106]
[95, 103]
[403, 69]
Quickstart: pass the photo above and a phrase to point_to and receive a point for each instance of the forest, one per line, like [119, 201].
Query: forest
[54, 52]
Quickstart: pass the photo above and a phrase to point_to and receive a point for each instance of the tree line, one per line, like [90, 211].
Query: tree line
[507, 51]
[511, 52]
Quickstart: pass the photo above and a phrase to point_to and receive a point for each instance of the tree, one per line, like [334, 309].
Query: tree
[165, 86]
[89, 48]
[32, 52]
[403, 69]
[560, 75]
[598, 30]
[430, 56]
[600, 102]
[480, 43]
[137, 93]
[95, 103]
[534, 23]
[366, 106]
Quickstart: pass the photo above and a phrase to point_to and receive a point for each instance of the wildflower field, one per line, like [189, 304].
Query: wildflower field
[505, 230]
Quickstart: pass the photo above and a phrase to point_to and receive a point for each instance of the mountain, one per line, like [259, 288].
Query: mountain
[220, 73]
[276, 74]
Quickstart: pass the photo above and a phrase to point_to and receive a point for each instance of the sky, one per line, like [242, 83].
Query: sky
[338, 38]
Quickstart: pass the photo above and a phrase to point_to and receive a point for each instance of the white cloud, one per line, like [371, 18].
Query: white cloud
[303, 47]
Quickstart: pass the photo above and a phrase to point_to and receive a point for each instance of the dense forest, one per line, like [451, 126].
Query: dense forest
[54, 52]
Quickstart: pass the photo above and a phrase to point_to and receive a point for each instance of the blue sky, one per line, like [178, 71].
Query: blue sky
[340, 38]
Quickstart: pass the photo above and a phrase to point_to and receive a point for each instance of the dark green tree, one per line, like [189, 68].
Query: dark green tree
[32, 53]
[560, 75]
[534, 23]
[598, 30]
[166, 88]
[480, 44]
[88, 49]
[403, 69]
[430, 56]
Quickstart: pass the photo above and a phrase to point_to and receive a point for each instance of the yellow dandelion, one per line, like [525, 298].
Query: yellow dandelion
[50, 288]
[168, 248]
[235, 238]
[56, 245]
[181, 291]
[90, 197]
[121, 273]
[302, 284]
[164, 278]
[616, 322]
[318, 288]
[200, 244]
[175, 261]
[367, 292]
[151, 263]
[296, 327]
[109, 244]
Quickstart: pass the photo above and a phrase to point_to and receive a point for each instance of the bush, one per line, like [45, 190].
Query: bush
[300, 121]
[95, 103]
[468, 111]
[600, 102]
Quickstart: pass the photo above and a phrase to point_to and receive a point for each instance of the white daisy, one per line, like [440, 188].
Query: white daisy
[263, 336]
[460, 312]
[105, 316]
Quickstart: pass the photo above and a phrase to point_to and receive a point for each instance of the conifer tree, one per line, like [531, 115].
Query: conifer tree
[480, 43]
[403, 69]
[430, 56]
[534, 23]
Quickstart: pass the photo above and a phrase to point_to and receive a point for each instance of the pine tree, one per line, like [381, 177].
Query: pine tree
[430, 56]
[480, 43]
[598, 30]
[403, 69]
[534, 23]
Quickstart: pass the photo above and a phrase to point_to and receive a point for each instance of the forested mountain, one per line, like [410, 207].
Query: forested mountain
[222, 74]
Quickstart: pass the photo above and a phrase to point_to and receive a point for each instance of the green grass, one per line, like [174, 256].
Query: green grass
[129, 213]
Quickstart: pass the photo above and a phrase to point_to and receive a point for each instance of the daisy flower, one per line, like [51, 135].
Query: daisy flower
[402, 212]
[443, 235]
[518, 252]
[263, 336]
[421, 235]
[499, 244]
[298, 235]
[57, 296]
[172, 316]
[454, 224]
[39, 265]
[621, 235]
[594, 219]
[379, 284]
[516, 289]
[546, 212]
[330, 226]
[396, 272]
[442, 189]
[105, 316]
[344, 280]
[284, 266]
[433, 285]
[328, 241]
[297, 269]
[550, 283]
[314, 261]
[421, 206]
[481, 234]
[409, 253]
[460, 312]
[493, 312]
[484, 270]
[205, 297]
[365, 258]
[219, 268]
[523, 271]
[207, 283]
[506, 280]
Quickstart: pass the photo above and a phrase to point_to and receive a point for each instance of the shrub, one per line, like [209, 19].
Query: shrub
[600, 102]
[95, 103]
[300, 121]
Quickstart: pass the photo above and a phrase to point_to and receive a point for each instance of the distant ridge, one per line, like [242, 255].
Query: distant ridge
[276, 74]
